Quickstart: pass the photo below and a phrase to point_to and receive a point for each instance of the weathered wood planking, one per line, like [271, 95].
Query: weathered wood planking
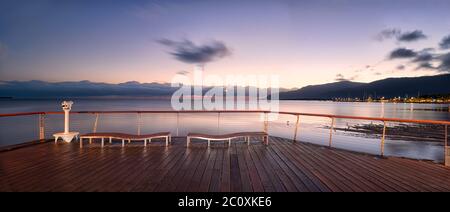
[281, 166]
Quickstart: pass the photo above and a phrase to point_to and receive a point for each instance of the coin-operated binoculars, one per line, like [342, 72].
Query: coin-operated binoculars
[66, 106]
[67, 136]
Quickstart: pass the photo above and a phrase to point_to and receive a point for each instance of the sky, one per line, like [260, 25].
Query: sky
[303, 42]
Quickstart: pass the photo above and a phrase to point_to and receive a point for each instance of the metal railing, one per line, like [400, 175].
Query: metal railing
[385, 121]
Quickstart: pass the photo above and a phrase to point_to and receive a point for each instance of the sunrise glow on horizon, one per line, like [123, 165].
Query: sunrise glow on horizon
[303, 42]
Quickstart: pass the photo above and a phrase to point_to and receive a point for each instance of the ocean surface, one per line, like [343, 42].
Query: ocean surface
[14, 130]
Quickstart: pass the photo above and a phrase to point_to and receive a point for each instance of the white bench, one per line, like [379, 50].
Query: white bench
[228, 137]
[123, 137]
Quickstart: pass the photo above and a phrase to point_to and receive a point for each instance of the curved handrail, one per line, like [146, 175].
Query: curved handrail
[266, 112]
[419, 121]
[172, 111]
[21, 114]
[131, 111]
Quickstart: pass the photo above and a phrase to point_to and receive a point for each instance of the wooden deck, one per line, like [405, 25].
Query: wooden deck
[282, 166]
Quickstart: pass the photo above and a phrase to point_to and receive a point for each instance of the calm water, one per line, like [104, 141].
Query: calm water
[21, 129]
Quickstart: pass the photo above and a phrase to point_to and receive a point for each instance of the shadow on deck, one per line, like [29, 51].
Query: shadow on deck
[282, 166]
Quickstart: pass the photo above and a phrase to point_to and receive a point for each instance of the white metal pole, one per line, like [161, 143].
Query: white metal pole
[266, 123]
[139, 123]
[218, 123]
[41, 126]
[95, 123]
[66, 121]
[178, 122]
[447, 156]
[296, 128]
[383, 137]
[331, 131]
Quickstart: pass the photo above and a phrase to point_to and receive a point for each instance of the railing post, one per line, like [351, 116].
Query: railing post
[178, 121]
[266, 122]
[139, 123]
[95, 123]
[296, 128]
[383, 137]
[331, 131]
[218, 123]
[446, 151]
[41, 126]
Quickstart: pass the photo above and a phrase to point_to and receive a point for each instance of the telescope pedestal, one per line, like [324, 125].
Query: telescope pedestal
[67, 137]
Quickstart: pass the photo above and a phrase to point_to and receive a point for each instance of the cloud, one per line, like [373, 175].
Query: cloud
[188, 52]
[402, 53]
[445, 43]
[444, 66]
[426, 61]
[388, 34]
[183, 72]
[400, 36]
[411, 36]
[423, 57]
[425, 65]
[400, 67]
[427, 58]
[426, 50]
[341, 78]
[148, 10]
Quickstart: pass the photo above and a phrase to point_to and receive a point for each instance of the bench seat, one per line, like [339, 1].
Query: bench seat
[228, 137]
[124, 136]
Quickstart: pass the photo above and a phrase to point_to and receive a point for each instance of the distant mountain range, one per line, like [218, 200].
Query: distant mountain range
[391, 87]
[86, 89]
[388, 88]
[42, 89]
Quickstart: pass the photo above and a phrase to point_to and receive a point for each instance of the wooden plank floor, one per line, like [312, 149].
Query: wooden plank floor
[282, 166]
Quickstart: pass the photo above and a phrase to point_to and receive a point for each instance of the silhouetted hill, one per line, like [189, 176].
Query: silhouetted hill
[318, 91]
[42, 89]
[391, 87]
[388, 88]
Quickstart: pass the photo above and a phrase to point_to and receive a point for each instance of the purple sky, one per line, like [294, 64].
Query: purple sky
[304, 42]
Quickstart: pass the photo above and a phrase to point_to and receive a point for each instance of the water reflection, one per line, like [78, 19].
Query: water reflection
[312, 129]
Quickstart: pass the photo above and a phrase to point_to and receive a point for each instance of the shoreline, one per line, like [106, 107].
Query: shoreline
[404, 132]
[168, 98]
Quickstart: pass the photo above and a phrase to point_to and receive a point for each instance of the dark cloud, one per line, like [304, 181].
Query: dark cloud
[426, 58]
[426, 50]
[168, 42]
[445, 43]
[401, 36]
[183, 72]
[341, 78]
[188, 52]
[388, 34]
[402, 53]
[411, 36]
[426, 61]
[444, 65]
[425, 65]
[423, 57]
